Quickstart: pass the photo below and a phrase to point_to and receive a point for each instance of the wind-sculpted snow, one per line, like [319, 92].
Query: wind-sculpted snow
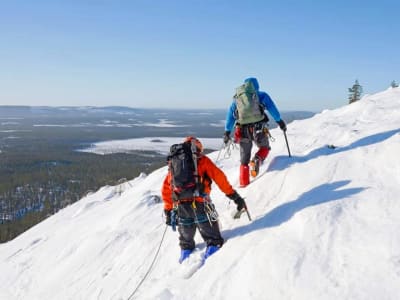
[325, 225]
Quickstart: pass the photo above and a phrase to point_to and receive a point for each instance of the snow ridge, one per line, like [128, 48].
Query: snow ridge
[325, 225]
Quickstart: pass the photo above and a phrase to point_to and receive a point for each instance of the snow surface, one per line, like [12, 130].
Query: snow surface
[325, 226]
[157, 144]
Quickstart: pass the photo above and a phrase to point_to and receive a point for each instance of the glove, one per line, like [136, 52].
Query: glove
[239, 201]
[227, 137]
[168, 216]
[282, 125]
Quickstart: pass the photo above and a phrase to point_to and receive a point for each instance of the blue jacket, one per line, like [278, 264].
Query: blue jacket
[265, 100]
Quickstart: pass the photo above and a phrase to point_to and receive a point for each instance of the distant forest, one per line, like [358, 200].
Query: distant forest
[37, 184]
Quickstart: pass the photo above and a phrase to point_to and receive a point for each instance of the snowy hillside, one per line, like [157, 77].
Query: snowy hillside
[326, 225]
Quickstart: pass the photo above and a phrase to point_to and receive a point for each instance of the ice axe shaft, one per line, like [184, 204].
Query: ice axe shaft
[287, 144]
[248, 214]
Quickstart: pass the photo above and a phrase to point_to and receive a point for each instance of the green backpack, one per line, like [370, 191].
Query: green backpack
[248, 105]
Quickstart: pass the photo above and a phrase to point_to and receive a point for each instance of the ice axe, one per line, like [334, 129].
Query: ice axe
[240, 212]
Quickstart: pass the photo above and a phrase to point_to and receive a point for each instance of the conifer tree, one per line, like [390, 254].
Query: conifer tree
[355, 92]
[394, 84]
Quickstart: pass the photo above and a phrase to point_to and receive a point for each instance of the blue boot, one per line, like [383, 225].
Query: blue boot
[184, 254]
[211, 249]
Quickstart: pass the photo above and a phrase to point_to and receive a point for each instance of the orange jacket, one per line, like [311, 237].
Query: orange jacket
[206, 168]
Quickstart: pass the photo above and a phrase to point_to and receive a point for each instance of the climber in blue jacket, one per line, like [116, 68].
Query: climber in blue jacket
[247, 115]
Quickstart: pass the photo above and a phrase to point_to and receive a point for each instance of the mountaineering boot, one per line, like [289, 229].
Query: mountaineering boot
[244, 177]
[255, 163]
[184, 254]
[211, 249]
[254, 166]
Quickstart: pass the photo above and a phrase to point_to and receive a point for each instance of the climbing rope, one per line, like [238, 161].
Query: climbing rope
[151, 265]
[231, 145]
[228, 150]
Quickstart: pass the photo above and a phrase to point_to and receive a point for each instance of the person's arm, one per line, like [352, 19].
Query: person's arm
[230, 117]
[270, 106]
[220, 179]
[166, 193]
[217, 175]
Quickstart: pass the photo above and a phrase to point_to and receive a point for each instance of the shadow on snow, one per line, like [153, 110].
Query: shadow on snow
[324, 193]
[282, 162]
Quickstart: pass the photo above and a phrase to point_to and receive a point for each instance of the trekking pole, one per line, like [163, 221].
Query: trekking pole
[287, 144]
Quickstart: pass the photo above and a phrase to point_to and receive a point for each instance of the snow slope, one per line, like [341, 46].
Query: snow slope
[325, 226]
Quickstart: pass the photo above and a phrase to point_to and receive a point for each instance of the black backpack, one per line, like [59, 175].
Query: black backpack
[183, 169]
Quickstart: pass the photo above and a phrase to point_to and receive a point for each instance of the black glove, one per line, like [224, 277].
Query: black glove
[239, 201]
[282, 125]
[168, 216]
[227, 137]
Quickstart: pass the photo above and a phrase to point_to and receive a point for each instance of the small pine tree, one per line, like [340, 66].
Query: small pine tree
[394, 84]
[355, 92]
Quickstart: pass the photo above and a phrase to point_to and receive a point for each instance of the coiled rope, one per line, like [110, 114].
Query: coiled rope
[228, 147]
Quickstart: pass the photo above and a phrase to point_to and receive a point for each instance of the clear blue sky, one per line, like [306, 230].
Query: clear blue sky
[167, 53]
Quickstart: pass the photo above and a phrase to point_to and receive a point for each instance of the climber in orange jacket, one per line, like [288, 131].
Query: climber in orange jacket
[194, 211]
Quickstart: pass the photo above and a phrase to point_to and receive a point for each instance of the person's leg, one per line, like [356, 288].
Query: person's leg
[186, 229]
[209, 231]
[246, 145]
[186, 236]
[262, 141]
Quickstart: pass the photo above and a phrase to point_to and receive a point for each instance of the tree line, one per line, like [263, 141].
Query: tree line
[35, 186]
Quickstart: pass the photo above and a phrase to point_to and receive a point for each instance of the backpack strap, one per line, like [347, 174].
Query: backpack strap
[195, 156]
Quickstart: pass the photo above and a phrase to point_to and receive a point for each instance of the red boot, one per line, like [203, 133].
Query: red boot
[244, 177]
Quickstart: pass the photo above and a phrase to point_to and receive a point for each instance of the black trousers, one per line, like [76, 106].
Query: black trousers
[250, 133]
[192, 216]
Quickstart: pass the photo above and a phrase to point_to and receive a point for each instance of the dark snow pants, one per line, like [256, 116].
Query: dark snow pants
[248, 134]
[191, 215]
